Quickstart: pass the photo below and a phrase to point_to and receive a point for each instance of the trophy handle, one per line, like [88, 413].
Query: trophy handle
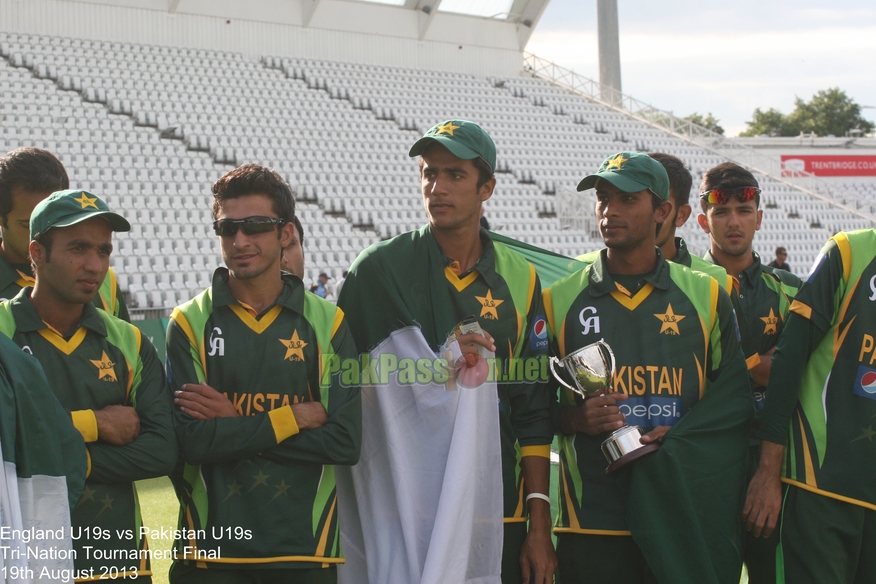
[607, 348]
[557, 376]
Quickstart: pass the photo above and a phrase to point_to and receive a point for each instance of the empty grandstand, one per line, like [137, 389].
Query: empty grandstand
[150, 120]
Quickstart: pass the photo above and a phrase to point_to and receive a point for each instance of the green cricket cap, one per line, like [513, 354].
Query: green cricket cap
[631, 172]
[465, 140]
[66, 208]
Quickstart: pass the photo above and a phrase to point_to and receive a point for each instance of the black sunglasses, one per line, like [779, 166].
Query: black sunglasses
[250, 225]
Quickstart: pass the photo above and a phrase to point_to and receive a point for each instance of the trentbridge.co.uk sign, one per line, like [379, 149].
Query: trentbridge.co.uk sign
[829, 164]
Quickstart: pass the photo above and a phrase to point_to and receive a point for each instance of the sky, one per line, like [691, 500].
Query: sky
[727, 58]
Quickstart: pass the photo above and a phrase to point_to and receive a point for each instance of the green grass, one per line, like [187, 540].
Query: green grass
[159, 508]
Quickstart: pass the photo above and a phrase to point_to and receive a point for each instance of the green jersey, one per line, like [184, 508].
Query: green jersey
[822, 392]
[685, 258]
[673, 333]
[104, 362]
[764, 299]
[14, 277]
[408, 281]
[256, 491]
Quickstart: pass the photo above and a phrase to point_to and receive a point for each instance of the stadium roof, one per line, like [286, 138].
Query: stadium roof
[521, 14]
[524, 13]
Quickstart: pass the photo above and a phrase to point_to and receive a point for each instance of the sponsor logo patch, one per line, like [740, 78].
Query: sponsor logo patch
[649, 412]
[538, 336]
[865, 384]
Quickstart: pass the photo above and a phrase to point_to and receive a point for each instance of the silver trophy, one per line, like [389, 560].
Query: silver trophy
[592, 369]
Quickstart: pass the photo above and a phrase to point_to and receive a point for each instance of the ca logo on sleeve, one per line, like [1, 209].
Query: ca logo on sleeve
[217, 343]
[589, 322]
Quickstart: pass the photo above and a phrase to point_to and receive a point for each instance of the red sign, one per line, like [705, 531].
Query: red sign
[829, 165]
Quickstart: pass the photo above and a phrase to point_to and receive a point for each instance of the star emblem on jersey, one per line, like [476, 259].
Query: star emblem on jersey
[282, 489]
[867, 434]
[107, 504]
[770, 322]
[294, 347]
[105, 371]
[670, 321]
[447, 128]
[616, 162]
[87, 201]
[488, 306]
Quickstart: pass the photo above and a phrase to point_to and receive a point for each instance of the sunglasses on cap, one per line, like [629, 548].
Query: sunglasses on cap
[721, 196]
[250, 225]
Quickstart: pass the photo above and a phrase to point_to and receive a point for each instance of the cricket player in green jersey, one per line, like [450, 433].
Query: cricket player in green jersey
[102, 371]
[731, 215]
[261, 418]
[413, 290]
[27, 176]
[817, 424]
[675, 249]
[680, 376]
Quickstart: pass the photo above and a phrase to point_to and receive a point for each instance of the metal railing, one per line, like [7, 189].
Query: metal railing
[700, 136]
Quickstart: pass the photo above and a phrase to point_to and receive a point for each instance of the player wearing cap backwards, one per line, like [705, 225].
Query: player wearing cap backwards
[404, 297]
[261, 418]
[680, 376]
[730, 202]
[27, 176]
[102, 371]
[817, 424]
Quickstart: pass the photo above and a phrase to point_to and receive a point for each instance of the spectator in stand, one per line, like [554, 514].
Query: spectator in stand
[779, 262]
[321, 288]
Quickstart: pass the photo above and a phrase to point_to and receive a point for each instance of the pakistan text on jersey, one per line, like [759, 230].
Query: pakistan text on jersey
[425, 371]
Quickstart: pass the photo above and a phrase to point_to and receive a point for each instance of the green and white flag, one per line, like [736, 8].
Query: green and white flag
[44, 466]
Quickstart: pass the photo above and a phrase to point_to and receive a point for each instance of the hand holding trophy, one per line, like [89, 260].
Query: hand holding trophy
[592, 369]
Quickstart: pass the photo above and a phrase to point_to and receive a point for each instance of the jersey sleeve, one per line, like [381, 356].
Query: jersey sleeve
[530, 401]
[120, 310]
[154, 452]
[338, 440]
[812, 314]
[725, 338]
[220, 439]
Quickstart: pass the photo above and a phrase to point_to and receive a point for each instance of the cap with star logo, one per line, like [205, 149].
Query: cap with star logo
[465, 140]
[66, 208]
[631, 172]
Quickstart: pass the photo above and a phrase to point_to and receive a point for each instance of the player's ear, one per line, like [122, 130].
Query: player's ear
[704, 224]
[486, 190]
[661, 213]
[287, 232]
[683, 215]
[37, 252]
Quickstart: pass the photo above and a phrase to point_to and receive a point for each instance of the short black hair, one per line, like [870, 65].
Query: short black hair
[680, 179]
[299, 229]
[32, 169]
[727, 175]
[781, 249]
[254, 179]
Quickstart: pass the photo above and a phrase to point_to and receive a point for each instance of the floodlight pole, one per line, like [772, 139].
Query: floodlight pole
[609, 50]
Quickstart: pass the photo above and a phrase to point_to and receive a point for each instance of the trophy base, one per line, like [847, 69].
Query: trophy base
[631, 456]
[623, 446]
